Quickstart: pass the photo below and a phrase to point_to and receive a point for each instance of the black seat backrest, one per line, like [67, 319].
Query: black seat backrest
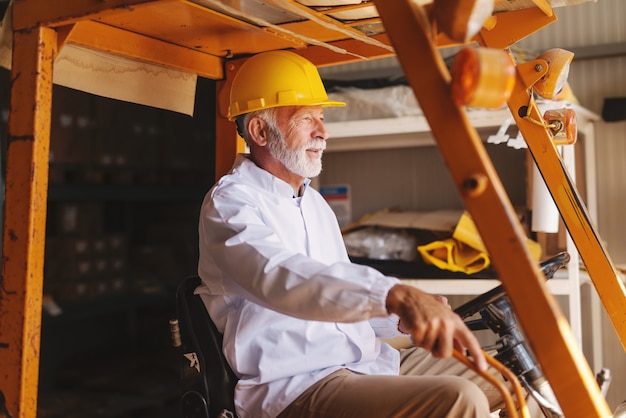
[207, 380]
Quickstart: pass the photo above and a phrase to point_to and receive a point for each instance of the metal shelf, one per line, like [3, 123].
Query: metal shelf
[126, 193]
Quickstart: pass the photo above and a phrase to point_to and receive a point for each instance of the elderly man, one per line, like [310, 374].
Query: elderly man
[301, 323]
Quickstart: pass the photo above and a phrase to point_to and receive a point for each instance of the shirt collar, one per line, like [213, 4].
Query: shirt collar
[264, 179]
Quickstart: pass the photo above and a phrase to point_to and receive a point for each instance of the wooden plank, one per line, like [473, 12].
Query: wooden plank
[323, 57]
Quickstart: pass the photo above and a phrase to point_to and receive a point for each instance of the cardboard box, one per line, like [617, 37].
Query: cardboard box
[77, 218]
[67, 247]
[117, 244]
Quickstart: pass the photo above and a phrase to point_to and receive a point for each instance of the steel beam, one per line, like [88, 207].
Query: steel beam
[34, 13]
[227, 143]
[515, 25]
[25, 218]
[603, 274]
[486, 200]
[92, 34]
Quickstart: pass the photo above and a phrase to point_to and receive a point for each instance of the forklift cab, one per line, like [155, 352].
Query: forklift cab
[207, 381]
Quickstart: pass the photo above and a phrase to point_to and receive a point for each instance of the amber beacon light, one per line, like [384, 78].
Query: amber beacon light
[554, 65]
[553, 82]
[482, 77]
[562, 123]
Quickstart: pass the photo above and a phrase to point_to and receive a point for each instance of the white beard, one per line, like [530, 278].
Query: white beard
[296, 160]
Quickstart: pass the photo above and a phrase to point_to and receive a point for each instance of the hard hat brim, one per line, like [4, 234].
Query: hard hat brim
[323, 103]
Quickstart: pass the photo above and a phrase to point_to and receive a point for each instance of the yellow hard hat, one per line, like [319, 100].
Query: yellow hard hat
[277, 78]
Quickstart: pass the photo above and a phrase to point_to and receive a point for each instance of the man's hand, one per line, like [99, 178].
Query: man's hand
[432, 324]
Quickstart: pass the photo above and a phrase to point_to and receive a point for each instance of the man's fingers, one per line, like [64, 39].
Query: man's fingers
[429, 339]
[432, 323]
[418, 336]
[443, 348]
[438, 337]
[474, 349]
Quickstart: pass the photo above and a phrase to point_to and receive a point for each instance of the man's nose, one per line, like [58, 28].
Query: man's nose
[321, 132]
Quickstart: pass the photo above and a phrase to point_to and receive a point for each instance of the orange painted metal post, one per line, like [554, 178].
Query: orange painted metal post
[514, 26]
[50, 13]
[103, 37]
[603, 274]
[227, 142]
[487, 202]
[25, 218]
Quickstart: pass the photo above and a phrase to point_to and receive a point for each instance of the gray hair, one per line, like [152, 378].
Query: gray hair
[268, 115]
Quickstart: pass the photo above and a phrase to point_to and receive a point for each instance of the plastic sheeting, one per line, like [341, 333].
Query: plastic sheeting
[378, 103]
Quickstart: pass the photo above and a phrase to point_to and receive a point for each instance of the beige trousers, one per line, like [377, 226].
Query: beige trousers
[426, 388]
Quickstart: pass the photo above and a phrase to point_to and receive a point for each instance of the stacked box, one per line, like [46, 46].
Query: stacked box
[114, 121]
[85, 267]
[153, 267]
[77, 218]
[68, 269]
[72, 127]
[117, 255]
[142, 146]
[103, 141]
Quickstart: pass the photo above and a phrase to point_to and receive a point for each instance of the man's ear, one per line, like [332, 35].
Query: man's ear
[257, 131]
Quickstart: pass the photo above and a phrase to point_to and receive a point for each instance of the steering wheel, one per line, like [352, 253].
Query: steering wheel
[549, 267]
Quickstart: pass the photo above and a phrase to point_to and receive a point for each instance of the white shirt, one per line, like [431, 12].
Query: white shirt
[279, 285]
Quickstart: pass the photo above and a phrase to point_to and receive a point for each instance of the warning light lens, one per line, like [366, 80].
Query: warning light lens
[482, 77]
[553, 82]
[562, 123]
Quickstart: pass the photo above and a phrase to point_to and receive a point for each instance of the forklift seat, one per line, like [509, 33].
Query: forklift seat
[208, 382]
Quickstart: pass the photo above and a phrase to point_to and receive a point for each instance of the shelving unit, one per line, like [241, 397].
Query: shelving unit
[397, 132]
[385, 133]
[414, 131]
[127, 193]
[106, 303]
[558, 285]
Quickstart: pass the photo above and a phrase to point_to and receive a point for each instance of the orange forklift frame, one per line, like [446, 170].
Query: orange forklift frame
[150, 30]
